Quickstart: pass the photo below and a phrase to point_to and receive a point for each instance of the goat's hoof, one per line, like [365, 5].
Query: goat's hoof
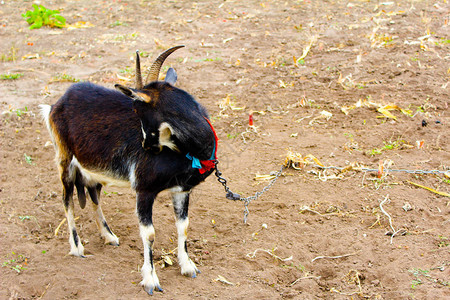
[78, 252]
[79, 255]
[111, 240]
[190, 269]
[150, 290]
[192, 273]
[150, 281]
[113, 243]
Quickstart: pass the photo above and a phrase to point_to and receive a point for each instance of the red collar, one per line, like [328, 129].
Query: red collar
[209, 164]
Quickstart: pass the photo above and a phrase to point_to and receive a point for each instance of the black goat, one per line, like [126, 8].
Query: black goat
[154, 137]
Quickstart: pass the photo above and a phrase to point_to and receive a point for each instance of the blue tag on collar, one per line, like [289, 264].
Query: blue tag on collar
[195, 161]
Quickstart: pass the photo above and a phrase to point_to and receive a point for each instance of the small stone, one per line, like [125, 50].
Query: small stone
[407, 207]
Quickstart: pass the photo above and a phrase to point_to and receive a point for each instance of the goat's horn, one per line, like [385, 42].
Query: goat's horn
[153, 75]
[138, 72]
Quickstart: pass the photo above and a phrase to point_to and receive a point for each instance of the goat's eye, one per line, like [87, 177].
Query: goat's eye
[153, 134]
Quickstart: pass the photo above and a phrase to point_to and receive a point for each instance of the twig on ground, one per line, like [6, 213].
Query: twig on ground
[333, 257]
[254, 129]
[384, 212]
[271, 253]
[306, 277]
[356, 278]
[45, 291]
[60, 224]
[394, 232]
[312, 40]
[429, 189]
[222, 279]
[306, 208]
[376, 222]
[170, 251]
[37, 195]
[301, 119]
[342, 293]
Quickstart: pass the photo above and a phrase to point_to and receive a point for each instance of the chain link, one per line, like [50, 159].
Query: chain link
[234, 196]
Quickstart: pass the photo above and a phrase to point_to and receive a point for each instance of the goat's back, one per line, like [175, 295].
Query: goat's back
[95, 124]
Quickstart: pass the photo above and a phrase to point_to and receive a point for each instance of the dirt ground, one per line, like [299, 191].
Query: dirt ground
[341, 83]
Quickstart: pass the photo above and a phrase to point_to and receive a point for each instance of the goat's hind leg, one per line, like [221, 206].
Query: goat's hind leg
[180, 201]
[67, 179]
[105, 231]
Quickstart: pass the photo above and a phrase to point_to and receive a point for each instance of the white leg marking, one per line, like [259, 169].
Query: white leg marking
[188, 267]
[179, 199]
[105, 231]
[76, 248]
[149, 279]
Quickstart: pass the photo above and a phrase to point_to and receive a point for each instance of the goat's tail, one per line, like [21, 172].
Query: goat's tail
[45, 113]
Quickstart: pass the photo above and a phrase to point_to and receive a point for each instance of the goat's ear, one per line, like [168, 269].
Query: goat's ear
[171, 76]
[132, 94]
[165, 136]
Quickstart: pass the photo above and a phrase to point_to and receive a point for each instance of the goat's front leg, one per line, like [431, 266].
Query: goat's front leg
[145, 201]
[180, 199]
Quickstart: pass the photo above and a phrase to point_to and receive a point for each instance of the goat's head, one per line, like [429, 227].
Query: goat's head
[169, 116]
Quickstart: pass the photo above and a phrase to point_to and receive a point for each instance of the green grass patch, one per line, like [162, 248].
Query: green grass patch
[421, 276]
[443, 242]
[118, 23]
[28, 159]
[10, 76]
[15, 262]
[64, 78]
[10, 56]
[208, 59]
[20, 112]
[41, 16]
[127, 70]
[391, 145]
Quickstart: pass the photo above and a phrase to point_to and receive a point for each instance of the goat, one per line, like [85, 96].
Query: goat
[153, 138]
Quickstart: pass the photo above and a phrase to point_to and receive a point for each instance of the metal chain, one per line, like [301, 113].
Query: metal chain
[234, 196]
[257, 194]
